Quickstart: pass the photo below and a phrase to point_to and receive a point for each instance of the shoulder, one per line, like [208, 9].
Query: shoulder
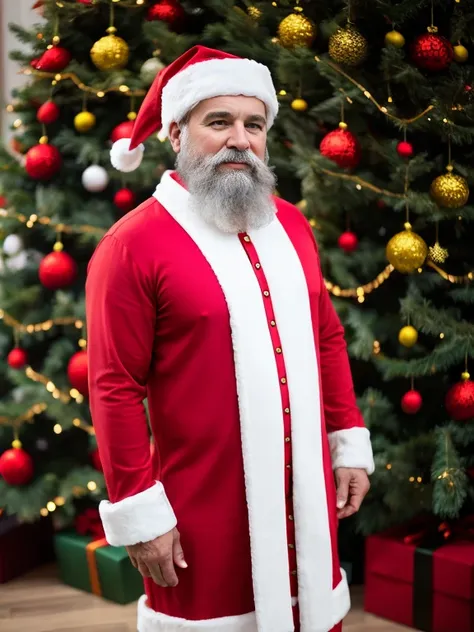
[293, 219]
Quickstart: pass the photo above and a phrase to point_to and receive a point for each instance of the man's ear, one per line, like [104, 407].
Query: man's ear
[175, 137]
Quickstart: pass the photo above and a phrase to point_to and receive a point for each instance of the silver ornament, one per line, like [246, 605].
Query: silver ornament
[150, 69]
[95, 179]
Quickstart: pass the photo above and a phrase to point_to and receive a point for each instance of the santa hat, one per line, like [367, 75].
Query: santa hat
[200, 73]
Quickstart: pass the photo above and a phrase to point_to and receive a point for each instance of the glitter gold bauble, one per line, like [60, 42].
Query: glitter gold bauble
[299, 105]
[438, 254]
[296, 30]
[407, 336]
[394, 38]
[254, 13]
[348, 46]
[110, 52]
[406, 251]
[84, 121]
[461, 53]
[450, 190]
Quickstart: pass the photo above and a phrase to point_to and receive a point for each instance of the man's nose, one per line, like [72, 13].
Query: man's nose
[238, 138]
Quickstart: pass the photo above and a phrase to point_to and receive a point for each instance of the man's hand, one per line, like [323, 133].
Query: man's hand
[156, 559]
[352, 486]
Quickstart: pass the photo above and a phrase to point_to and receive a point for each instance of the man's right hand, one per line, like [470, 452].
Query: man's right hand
[156, 559]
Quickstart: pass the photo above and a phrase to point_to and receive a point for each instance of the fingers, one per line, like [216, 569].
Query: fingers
[343, 480]
[143, 569]
[168, 572]
[157, 575]
[178, 554]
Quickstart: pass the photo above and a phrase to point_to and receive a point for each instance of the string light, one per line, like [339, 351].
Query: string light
[37, 327]
[27, 417]
[92, 486]
[362, 290]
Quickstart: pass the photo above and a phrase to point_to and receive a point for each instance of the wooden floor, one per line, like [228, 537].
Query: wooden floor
[38, 602]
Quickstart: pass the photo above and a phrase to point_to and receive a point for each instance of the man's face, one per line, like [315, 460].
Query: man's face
[232, 122]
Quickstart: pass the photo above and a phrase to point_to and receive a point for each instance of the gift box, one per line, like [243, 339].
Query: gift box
[23, 546]
[423, 581]
[93, 566]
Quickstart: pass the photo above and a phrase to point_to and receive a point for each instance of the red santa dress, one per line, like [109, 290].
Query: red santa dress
[233, 342]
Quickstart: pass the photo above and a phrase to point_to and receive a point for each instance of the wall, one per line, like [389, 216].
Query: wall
[19, 12]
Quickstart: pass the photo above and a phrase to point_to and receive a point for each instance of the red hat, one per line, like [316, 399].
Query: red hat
[200, 73]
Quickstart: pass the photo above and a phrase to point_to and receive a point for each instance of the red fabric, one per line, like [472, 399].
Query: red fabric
[389, 582]
[161, 330]
[148, 120]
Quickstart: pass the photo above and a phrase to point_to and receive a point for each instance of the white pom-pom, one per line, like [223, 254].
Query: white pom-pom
[162, 135]
[122, 158]
[12, 245]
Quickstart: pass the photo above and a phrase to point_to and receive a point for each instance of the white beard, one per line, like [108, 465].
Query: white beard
[233, 200]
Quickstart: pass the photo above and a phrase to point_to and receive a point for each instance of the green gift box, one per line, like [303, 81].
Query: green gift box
[93, 566]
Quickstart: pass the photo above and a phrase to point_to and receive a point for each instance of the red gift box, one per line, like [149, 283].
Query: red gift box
[24, 546]
[428, 586]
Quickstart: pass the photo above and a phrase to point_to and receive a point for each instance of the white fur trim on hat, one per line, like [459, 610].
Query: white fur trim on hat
[216, 78]
[122, 158]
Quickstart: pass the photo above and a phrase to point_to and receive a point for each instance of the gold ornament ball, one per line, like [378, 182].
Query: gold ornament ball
[394, 38]
[84, 121]
[407, 336]
[348, 46]
[450, 190]
[461, 53]
[299, 105]
[406, 251]
[296, 30]
[110, 53]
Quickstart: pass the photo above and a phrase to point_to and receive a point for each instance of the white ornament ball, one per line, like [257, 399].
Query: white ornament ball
[12, 245]
[17, 262]
[150, 69]
[95, 179]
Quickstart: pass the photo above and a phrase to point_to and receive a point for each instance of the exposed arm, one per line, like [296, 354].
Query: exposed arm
[120, 306]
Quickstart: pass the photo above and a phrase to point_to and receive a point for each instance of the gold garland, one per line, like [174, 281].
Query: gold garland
[58, 76]
[59, 227]
[36, 327]
[360, 291]
[360, 182]
[26, 417]
[51, 387]
[367, 94]
[451, 277]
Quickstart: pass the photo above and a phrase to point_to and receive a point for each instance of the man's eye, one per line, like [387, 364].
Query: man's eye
[255, 126]
[218, 123]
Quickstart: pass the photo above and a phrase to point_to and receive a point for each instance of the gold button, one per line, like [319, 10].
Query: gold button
[258, 266]
[293, 572]
[287, 410]
[287, 439]
[290, 517]
[247, 238]
[272, 323]
[283, 380]
[266, 293]
[291, 546]
[278, 350]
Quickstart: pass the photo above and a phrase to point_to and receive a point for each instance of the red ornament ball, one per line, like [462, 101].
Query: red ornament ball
[405, 149]
[77, 372]
[42, 162]
[169, 11]
[16, 467]
[34, 62]
[125, 200]
[48, 113]
[432, 52]
[411, 402]
[57, 270]
[342, 147]
[123, 130]
[459, 401]
[54, 59]
[17, 358]
[348, 241]
[95, 458]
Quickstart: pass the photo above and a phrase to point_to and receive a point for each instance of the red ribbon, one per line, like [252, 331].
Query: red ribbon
[462, 529]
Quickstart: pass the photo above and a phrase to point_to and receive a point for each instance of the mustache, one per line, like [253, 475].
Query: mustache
[245, 157]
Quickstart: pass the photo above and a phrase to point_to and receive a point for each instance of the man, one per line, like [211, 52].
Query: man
[208, 300]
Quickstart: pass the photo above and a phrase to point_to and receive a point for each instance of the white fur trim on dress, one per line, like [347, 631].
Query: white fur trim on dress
[139, 518]
[149, 620]
[215, 78]
[352, 448]
[262, 416]
[122, 158]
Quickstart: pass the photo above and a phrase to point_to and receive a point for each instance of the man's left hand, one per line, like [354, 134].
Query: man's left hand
[352, 486]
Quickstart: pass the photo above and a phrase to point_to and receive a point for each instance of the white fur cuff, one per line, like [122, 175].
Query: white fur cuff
[139, 518]
[352, 448]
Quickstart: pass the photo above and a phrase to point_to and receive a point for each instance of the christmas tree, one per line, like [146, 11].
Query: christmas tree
[372, 143]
